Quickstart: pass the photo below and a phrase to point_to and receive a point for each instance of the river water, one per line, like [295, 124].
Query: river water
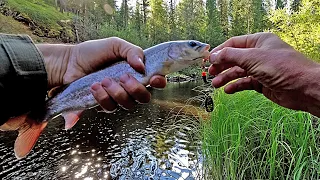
[143, 143]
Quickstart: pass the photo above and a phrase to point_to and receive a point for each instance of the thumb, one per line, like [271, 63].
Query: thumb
[245, 58]
[133, 54]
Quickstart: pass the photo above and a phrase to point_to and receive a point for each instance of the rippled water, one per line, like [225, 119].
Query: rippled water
[138, 144]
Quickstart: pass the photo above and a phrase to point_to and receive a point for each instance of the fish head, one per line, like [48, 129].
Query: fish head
[182, 54]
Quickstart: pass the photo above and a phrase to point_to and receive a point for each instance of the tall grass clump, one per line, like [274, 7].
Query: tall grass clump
[250, 137]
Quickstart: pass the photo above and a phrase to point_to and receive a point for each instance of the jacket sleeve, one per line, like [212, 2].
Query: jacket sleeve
[23, 77]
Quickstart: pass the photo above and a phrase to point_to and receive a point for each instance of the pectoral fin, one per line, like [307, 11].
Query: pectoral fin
[166, 67]
[71, 118]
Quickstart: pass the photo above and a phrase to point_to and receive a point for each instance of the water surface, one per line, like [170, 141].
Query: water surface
[143, 143]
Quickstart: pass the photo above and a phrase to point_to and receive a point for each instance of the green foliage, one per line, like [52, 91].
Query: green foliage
[214, 33]
[250, 137]
[43, 14]
[300, 29]
[158, 22]
[247, 16]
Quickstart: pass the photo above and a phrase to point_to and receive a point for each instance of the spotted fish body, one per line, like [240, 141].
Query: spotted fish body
[161, 59]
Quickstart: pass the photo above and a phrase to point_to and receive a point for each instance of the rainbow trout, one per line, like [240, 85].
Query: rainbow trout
[161, 59]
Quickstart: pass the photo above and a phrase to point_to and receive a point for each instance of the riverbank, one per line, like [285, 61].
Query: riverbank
[250, 137]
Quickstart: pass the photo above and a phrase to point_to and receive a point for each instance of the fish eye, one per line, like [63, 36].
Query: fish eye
[192, 44]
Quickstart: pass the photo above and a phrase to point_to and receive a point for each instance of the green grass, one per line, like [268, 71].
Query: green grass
[43, 14]
[11, 26]
[249, 137]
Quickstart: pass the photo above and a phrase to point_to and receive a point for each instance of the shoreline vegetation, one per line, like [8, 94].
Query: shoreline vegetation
[247, 136]
[250, 137]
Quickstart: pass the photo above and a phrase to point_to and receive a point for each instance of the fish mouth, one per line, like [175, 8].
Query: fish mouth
[204, 50]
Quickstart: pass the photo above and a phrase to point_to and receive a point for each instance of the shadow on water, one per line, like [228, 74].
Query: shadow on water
[134, 144]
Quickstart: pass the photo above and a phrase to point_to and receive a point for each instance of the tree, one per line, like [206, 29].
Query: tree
[259, 16]
[158, 22]
[172, 20]
[137, 19]
[241, 17]
[300, 29]
[295, 5]
[224, 15]
[192, 19]
[124, 14]
[214, 33]
[280, 4]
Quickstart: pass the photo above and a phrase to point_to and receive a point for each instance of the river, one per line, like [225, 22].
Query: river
[146, 142]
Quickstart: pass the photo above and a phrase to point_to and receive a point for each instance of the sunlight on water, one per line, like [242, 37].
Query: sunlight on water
[135, 144]
[83, 171]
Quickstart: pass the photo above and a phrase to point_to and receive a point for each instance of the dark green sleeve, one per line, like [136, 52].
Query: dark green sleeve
[23, 77]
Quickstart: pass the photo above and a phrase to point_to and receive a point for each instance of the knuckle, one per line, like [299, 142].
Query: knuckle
[104, 98]
[139, 48]
[239, 71]
[135, 89]
[247, 80]
[118, 95]
[115, 39]
[223, 53]
[232, 39]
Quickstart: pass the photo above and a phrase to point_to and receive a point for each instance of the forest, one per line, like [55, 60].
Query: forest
[148, 22]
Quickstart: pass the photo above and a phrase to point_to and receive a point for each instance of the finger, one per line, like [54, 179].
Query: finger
[236, 42]
[135, 89]
[244, 41]
[158, 81]
[215, 69]
[103, 98]
[248, 83]
[133, 54]
[245, 58]
[117, 93]
[230, 75]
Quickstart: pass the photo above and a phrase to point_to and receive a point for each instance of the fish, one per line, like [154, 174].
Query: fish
[161, 59]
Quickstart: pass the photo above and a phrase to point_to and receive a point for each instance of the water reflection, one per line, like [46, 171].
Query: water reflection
[136, 144]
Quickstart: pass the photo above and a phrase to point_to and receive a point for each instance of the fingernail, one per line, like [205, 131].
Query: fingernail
[124, 78]
[213, 56]
[143, 69]
[106, 82]
[107, 111]
[95, 86]
[123, 107]
[156, 81]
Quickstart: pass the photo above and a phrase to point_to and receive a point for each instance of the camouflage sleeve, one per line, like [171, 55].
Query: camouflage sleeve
[23, 77]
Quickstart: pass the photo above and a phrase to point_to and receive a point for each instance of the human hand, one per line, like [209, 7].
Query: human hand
[263, 62]
[67, 63]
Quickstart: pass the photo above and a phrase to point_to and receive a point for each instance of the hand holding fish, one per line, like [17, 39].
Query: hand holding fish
[74, 65]
[263, 62]
[67, 63]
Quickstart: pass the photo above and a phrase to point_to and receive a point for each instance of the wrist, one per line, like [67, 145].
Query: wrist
[312, 90]
[56, 58]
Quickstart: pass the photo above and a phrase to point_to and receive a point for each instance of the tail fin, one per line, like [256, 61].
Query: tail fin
[29, 132]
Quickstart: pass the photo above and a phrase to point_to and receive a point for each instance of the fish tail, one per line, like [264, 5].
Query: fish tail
[29, 132]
